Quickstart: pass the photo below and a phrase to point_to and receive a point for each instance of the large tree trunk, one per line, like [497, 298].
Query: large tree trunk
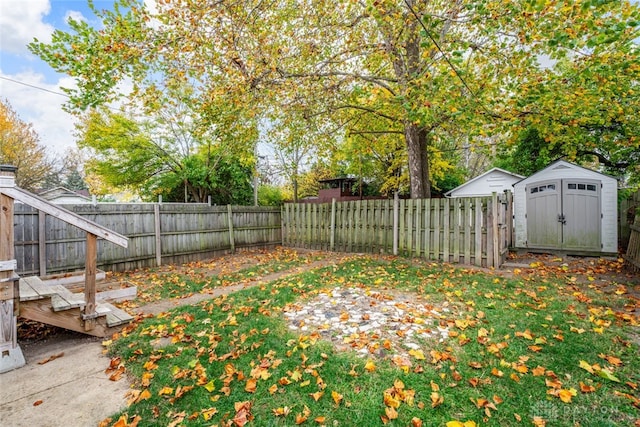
[406, 65]
[416, 140]
[294, 181]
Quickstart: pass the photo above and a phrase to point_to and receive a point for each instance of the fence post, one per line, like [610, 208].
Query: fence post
[42, 243]
[396, 214]
[232, 241]
[158, 233]
[495, 230]
[509, 219]
[489, 243]
[286, 219]
[332, 237]
[478, 230]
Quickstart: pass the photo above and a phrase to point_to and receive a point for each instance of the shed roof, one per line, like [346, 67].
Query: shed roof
[483, 176]
[560, 165]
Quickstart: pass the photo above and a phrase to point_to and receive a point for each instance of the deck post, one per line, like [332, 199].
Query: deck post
[11, 356]
[91, 261]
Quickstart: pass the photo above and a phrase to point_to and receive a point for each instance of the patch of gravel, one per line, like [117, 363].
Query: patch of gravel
[370, 322]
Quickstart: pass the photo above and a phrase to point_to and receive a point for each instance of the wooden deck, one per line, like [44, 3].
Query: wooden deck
[56, 305]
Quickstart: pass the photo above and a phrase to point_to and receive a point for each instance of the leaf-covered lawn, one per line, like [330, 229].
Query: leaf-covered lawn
[532, 349]
[173, 281]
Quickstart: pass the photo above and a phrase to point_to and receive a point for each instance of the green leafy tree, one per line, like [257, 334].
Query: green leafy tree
[425, 69]
[584, 105]
[228, 183]
[140, 156]
[528, 155]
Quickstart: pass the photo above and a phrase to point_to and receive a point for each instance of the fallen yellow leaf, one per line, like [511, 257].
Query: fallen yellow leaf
[418, 354]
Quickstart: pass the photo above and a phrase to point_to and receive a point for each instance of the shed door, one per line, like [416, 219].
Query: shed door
[544, 204]
[582, 213]
[564, 214]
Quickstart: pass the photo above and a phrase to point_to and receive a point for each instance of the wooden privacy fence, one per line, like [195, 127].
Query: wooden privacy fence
[157, 233]
[627, 209]
[632, 255]
[474, 231]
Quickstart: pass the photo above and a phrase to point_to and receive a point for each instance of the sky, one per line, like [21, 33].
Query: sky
[30, 85]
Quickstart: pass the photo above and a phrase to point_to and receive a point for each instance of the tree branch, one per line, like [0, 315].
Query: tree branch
[605, 160]
[375, 132]
[368, 110]
[378, 80]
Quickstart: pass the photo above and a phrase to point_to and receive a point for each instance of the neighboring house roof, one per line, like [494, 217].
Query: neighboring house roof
[62, 195]
[494, 180]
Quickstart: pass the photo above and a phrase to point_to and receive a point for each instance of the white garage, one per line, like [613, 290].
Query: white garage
[568, 208]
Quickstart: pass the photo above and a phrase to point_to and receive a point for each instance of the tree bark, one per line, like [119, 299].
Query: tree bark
[294, 181]
[416, 140]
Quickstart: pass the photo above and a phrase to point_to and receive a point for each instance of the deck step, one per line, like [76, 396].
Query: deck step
[55, 305]
[66, 302]
[33, 288]
[115, 316]
[64, 299]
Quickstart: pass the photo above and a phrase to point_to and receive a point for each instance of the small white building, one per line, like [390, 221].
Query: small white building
[64, 196]
[495, 180]
[565, 207]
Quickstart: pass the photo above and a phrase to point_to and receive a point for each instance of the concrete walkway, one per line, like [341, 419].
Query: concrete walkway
[72, 390]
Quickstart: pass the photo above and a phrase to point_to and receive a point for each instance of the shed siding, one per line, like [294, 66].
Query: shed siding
[565, 170]
[609, 215]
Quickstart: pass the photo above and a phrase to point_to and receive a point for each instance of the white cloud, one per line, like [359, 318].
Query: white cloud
[21, 21]
[42, 109]
[75, 15]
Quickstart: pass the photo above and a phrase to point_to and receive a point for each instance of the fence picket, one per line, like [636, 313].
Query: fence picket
[455, 225]
[436, 229]
[427, 228]
[446, 231]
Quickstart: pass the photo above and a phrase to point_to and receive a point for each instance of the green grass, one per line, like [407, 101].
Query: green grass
[497, 323]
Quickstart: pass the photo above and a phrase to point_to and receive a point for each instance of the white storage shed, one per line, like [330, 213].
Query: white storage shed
[495, 180]
[568, 208]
